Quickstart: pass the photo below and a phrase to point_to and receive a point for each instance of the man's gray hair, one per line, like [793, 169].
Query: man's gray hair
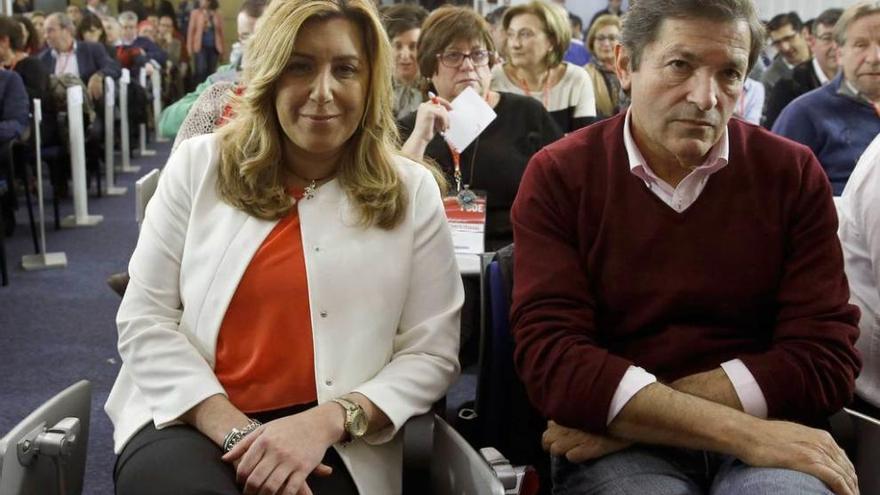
[645, 17]
[64, 21]
[128, 16]
[851, 15]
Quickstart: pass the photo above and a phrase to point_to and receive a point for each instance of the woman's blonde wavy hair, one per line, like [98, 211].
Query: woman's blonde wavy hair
[251, 164]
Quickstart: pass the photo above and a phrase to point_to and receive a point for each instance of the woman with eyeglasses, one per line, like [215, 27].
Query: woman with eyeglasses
[538, 35]
[456, 52]
[601, 40]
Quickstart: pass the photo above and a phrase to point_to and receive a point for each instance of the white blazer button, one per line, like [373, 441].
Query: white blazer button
[323, 314]
[329, 383]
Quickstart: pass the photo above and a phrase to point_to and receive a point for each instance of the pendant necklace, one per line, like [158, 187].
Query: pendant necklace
[464, 194]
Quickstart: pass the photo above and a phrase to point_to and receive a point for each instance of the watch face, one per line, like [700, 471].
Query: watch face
[358, 423]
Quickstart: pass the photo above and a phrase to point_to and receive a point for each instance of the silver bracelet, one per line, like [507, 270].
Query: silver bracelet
[235, 436]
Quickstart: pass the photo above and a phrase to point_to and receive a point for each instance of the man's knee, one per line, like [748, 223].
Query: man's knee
[633, 471]
[737, 478]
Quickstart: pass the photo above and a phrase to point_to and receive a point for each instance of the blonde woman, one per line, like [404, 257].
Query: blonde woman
[294, 297]
[538, 35]
[602, 37]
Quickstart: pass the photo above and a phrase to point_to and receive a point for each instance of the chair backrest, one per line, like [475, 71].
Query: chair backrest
[866, 431]
[457, 467]
[505, 418]
[143, 191]
[45, 453]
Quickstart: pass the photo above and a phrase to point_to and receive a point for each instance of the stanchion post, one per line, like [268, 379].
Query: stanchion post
[124, 131]
[156, 80]
[109, 104]
[43, 260]
[142, 128]
[81, 217]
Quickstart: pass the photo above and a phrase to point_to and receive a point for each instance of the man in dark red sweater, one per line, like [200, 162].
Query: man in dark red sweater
[680, 309]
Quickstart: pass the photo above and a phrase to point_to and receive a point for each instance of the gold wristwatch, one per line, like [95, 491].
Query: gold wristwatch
[355, 418]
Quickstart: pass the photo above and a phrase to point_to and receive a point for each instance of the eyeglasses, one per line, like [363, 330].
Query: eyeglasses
[826, 38]
[521, 35]
[453, 60]
[611, 38]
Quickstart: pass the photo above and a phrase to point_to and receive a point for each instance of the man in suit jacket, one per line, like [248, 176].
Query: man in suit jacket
[809, 75]
[66, 55]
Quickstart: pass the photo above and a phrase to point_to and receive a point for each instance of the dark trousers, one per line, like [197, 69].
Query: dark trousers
[179, 460]
[206, 61]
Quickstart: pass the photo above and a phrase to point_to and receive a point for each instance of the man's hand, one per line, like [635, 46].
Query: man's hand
[808, 450]
[579, 446]
[96, 86]
[278, 456]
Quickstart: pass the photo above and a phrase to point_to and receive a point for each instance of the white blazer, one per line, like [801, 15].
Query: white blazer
[385, 304]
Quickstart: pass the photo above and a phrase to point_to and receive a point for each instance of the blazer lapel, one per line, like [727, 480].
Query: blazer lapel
[228, 272]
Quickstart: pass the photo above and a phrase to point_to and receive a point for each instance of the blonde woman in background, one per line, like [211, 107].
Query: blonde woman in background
[538, 35]
[294, 296]
[603, 36]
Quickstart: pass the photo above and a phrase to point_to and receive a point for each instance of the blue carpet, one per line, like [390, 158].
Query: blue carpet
[57, 326]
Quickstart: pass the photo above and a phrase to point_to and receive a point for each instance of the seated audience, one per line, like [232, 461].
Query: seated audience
[680, 309]
[577, 53]
[38, 19]
[227, 387]
[173, 116]
[615, 7]
[750, 102]
[98, 8]
[75, 14]
[204, 39]
[13, 119]
[538, 34]
[13, 94]
[16, 57]
[809, 75]
[91, 29]
[840, 119]
[113, 35]
[175, 71]
[86, 60]
[455, 53]
[859, 213]
[495, 18]
[786, 34]
[403, 23]
[22, 6]
[146, 29]
[135, 52]
[31, 41]
[601, 39]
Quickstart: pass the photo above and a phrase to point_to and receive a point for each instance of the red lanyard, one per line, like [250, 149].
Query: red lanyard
[456, 163]
[546, 91]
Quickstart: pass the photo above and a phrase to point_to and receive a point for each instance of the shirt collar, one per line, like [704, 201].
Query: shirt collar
[846, 89]
[823, 79]
[56, 53]
[716, 159]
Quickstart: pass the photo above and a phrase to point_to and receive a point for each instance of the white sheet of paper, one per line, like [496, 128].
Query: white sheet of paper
[470, 115]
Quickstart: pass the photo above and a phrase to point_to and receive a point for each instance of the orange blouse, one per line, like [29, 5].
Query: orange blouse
[265, 358]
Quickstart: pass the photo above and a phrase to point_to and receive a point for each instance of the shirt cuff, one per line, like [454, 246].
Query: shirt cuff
[747, 389]
[633, 380]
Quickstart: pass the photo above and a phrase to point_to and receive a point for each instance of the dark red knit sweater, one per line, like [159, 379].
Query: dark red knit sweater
[607, 275]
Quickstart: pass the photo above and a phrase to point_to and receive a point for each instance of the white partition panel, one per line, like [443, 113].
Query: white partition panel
[156, 80]
[124, 131]
[109, 105]
[76, 132]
